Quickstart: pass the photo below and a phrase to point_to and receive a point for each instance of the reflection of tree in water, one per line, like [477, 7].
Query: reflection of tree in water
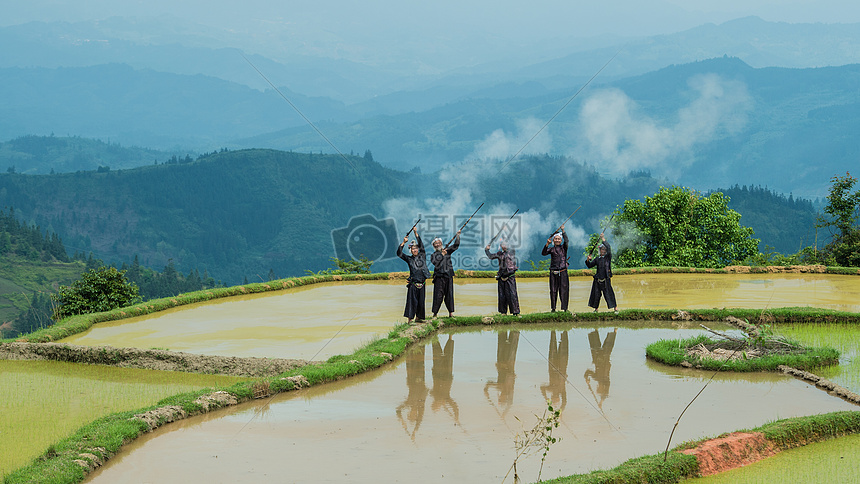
[600, 358]
[443, 378]
[417, 396]
[557, 386]
[506, 359]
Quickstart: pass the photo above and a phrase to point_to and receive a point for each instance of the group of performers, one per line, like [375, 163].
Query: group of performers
[443, 275]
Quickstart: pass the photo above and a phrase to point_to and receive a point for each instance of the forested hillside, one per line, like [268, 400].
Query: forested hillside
[771, 214]
[34, 264]
[255, 214]
[37, 155]
[235, 214]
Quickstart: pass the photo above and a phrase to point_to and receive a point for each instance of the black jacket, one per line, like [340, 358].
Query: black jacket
[442, 265]
[603, 263]
[558, 254]
[418, 271]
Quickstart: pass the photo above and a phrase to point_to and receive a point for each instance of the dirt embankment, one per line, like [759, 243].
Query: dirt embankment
[732, 451]
[149, 359]
[826, 385]
[817, 269]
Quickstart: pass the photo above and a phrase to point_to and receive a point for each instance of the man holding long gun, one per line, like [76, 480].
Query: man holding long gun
[418, 274]
[602, 284]
[443, 274]
[559, 282]
[507, 285]
[443, 270]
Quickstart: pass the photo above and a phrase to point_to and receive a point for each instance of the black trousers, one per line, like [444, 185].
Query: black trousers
[443, 290]
[414, 301]
[604, 288]
[559, 287]
[508, 299]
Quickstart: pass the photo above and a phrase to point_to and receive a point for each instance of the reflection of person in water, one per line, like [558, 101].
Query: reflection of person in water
[557, 386]
[600, 358]
[506, 359]
[417, 396]
[443, 378]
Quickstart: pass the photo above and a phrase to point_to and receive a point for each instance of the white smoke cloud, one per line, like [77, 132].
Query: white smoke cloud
[500, 145]
[622, 138]
[460, 196]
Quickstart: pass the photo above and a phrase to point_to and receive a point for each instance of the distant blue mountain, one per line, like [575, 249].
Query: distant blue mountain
[184, 89]
[796, 128]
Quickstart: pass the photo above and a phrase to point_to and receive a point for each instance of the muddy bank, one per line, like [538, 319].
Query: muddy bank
[149, 359]
[732, 451]
[826, 385]
[92, 457]
[813, 269]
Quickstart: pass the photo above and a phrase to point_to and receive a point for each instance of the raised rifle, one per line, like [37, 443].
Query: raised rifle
[413, 227]
[601, 235]
[463, 226]
[503, 228]
[568, 218]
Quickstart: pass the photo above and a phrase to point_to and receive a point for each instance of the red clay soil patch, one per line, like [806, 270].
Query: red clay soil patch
[732, 451]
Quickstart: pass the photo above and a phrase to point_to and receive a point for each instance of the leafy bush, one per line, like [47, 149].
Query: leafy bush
[97, 290]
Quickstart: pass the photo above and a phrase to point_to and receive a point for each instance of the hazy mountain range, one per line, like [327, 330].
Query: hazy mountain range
[244, 214]
[700, 107]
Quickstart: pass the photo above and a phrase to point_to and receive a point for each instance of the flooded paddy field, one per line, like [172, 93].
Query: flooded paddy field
[843, 337]
[830, 461]
[316, 322]
[42, 402]
[450, 408]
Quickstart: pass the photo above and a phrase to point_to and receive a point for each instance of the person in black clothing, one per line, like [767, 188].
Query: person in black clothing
[559, 282]
[507, 279]
[600, 357]
[418, 273]
[443, 275]
[602, 277]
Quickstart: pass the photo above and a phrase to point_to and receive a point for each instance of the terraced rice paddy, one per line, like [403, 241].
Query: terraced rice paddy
[449, 409]
[42, 402]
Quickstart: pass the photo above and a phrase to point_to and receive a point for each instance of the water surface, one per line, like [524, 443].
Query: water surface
[450, 409]
[316, 322]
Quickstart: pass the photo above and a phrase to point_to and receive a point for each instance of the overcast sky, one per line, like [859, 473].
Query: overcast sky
[541, 18]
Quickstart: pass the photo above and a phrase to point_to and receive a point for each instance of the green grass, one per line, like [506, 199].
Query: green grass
[799, 431]
[17, 273]
[819, 462]
[787, 433]
[649, 468]
[43, 401]
[672, 352]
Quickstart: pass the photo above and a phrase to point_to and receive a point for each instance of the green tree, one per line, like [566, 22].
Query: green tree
[97, 290]
[843, 206]
[843, 209]
[37, 316]
[680, 227]
[353, 266]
